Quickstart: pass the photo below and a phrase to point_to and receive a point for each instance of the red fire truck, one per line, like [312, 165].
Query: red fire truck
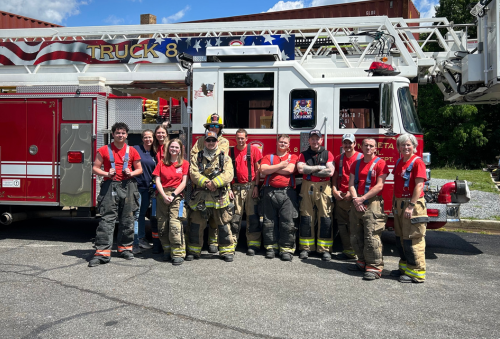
[339, 75]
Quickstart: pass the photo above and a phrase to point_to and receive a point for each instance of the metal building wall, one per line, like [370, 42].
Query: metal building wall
[392, 8]
[10, 20]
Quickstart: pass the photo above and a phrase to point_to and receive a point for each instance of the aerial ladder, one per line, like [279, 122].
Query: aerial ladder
[324, 48]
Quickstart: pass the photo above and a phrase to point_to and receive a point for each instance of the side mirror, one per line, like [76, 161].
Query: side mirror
[386, 104]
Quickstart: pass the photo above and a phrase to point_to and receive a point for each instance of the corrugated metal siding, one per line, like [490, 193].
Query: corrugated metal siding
[392, 8]
[10, 20]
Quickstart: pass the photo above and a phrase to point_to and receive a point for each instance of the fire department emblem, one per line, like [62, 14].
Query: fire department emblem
[302, 109]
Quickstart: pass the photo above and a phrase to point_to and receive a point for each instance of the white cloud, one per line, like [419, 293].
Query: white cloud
[286, 5]
[114, 20]
[175, 17]
[426, 8]
[53, 11]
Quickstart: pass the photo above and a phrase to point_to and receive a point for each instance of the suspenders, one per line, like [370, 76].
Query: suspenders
[341, 163]
[292, 178]
[368, 181]
[408, 170]
[112, 158]
[249, 163]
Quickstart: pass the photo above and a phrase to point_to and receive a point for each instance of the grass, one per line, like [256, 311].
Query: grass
[459, 230]
[477, 179]
[496, 217]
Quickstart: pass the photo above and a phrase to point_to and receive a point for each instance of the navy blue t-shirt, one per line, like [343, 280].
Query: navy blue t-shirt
[148, 162]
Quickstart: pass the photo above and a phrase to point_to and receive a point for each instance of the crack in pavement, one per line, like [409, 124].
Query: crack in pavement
[152, 309]
[36, 332]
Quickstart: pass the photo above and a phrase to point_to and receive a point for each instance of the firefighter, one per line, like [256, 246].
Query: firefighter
[316, 165]
[211, 173]
[118, 197]
[245, 190]
[279, 201]
[340, 187]
[171, 178]
[160, 140]
[367, 217]
[410, 211]
[213, 124]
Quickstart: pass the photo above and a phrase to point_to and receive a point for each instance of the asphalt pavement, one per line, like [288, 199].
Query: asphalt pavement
[47, 291]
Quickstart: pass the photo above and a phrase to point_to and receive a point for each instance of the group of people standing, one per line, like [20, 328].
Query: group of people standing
[225, 185]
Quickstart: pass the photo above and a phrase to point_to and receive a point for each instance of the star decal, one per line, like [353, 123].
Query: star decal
[159, 40]
[285, 36]
[208, 44]
[197, 45]
[188, 42]
[268, 38]
[176, 39]
[284, 57]
[218, 41]
[242, 39]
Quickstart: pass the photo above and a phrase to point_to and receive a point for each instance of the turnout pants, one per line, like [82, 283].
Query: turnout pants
[170, 228]
[279, 207]
[410, 237]
[243, 202]
[366, 229]
[117, 200]
[342, 208]
[217, 218]
[316, 207]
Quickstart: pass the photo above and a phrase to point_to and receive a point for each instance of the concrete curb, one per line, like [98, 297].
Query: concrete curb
[489, 226]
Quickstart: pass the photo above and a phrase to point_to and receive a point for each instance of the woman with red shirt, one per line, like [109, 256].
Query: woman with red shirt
[171, 178]
[410, 211]
[159, 142]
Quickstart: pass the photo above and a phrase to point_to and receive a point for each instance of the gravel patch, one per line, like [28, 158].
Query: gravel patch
[482, 205]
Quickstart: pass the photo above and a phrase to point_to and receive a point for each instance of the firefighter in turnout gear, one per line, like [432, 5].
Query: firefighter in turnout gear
[213, 124]
[343, 198]
[245, 190]
[211, 173]
[171, 178]
[410, 211]
[316, 165]
[367, 215]
[279, 201]
[118, 197]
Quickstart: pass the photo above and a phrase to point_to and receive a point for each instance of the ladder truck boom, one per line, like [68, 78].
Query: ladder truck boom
[324, 48]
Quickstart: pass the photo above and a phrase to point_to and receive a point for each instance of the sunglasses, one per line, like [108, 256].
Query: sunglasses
[214, 126]
[211, 140]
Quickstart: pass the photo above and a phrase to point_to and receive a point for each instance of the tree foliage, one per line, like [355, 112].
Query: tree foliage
[466, 136]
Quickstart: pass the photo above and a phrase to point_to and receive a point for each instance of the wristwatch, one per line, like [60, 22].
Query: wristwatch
[411, 204]
[174, 195]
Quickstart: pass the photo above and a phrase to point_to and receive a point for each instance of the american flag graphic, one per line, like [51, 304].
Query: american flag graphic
[158, 50]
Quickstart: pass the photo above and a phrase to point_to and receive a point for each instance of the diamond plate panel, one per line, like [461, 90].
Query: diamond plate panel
[442, 212]
[128, 111]
[70, 89]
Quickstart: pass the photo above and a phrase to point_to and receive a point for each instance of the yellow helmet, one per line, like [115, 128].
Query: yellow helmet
[214, 118]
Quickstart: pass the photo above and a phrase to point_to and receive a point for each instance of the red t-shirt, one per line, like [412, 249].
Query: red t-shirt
[241, 163]
[279, 180]
[379, 169]
[118, 154]
[313, 177]
[171, 176]
[161, 153]
[343, 178]
[418, 171]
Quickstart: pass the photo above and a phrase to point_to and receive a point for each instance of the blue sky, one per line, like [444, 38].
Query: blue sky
[126, 12]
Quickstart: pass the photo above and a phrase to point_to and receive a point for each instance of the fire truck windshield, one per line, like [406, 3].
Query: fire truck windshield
[408, 112]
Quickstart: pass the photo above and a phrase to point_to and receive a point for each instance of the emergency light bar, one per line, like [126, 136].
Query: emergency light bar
[381, 68]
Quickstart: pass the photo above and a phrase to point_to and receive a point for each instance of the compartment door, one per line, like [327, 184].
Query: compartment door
[13, 150]
[41, 150]
[76, 165]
